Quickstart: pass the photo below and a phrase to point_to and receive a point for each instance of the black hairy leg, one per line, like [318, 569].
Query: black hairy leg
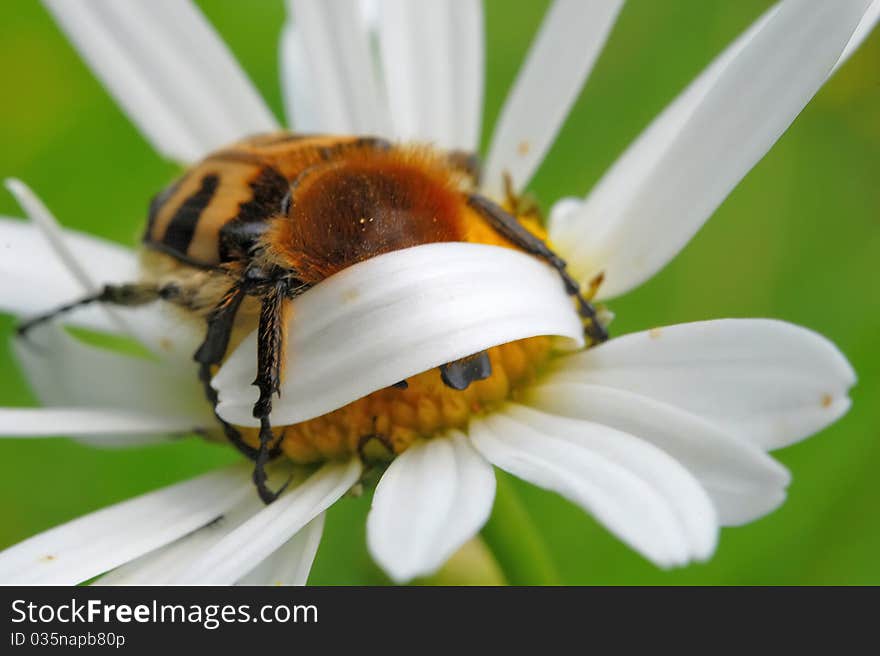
[211, 353]
[270, 350]
[126, 295]
[511, 229]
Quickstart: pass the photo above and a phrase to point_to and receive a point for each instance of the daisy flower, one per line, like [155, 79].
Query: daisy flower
[661, 435]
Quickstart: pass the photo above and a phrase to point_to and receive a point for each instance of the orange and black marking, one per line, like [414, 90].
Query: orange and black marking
[202, 217]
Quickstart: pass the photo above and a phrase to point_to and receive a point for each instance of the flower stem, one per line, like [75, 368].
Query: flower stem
[473, 564]
[515, 541]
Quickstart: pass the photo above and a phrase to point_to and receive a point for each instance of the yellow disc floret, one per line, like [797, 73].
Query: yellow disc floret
[386, 422]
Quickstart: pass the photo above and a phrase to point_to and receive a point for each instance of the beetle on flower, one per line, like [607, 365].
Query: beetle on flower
[661, 435]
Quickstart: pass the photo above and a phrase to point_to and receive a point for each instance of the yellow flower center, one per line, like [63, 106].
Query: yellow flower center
[386, 422]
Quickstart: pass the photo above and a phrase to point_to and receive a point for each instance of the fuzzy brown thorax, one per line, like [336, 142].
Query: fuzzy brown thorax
[367, 204]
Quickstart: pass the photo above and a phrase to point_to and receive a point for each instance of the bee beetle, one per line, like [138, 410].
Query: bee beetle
[253, 225]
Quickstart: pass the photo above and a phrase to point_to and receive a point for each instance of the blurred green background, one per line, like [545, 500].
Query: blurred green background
[798, 240]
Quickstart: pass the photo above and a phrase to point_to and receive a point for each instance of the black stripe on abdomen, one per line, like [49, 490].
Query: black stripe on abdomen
[268, 190]
[156, 204]
[179, 233]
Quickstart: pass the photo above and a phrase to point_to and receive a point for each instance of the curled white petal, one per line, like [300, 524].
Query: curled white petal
[397, 315]
[168, 69]
[558, 63]
[659, 193]
[637, 491]
[332, 40]
[95, 543]
[256, 539]
[767, 382]
[430, 501]
[432, 55]
[743, 482]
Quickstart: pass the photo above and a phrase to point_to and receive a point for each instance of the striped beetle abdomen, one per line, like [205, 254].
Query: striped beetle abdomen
[243, 184]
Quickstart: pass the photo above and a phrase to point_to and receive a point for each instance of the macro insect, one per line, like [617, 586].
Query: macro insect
[252, 226]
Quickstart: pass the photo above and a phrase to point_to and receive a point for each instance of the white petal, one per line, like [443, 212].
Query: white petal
[563, 210]
[51, 231]
[66, 372]
[767, 382]
[432, 499]
[297, 86]
[95, 543]
[291, 564]
[867, 24]
[33, 280]
[549, 82]
[336, 50]
[257, 538]
[51, 422]
[397, 315]
[43, 266]
[743, 482]
[567, 221]
[641, 494]
[659, 193]
[432, 53]
[54, 267]
[169, 71]
[468, 61]
[160, 567]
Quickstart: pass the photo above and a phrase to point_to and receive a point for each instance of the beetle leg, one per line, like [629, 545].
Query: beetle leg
[211, 353]
[127, 295]
[384, 440]
[521, 204]
[270, 349]
[507, 226]
[220, 323]
[466, 162]
[459, 374]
